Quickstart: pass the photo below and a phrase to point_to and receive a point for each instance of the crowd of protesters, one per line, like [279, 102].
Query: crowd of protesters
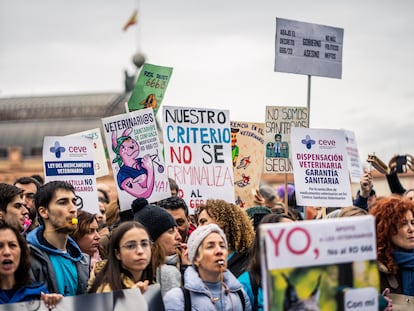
[50, 248]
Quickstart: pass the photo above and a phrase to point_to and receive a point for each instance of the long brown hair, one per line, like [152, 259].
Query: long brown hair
[389, 215]
[112, 270]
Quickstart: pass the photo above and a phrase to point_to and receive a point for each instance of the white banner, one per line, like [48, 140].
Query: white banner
[70, 159]
[320, 168]
[198, 153]
[136, 156]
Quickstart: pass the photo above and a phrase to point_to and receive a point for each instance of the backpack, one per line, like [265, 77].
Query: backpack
[255, 290]
[187, 298]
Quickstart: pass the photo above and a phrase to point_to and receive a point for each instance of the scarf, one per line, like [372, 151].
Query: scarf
[405, 262]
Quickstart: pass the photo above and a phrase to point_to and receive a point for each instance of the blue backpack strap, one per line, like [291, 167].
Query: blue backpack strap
[187, 299]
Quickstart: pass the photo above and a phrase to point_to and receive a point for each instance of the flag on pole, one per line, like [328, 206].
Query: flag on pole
[131, 21]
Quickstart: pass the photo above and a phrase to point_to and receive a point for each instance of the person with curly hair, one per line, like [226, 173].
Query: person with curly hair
[394, 218]
[236, 225]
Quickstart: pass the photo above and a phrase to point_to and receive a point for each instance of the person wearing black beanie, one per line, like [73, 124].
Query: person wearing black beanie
[156, 219]
[166, 239]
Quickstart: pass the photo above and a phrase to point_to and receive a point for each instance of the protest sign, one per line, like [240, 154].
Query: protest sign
[354, 163]
[278, 123]
[320, 168]
[136, 157]
[309, 49]
[150, 88]
[247, 140]
[99, 159]
[320, 264]
[198, 153]
[70, 159]
[125, 300]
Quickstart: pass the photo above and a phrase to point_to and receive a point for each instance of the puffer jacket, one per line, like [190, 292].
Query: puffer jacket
[200, 297]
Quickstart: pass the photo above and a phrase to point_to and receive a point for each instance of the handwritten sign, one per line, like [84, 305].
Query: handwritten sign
[150, 88]
[247, 140]
[136, 157]
[309, 49]
[278, 124]
[198, 153]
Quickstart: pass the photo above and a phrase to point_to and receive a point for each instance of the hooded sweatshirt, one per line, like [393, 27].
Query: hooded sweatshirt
[66, 273]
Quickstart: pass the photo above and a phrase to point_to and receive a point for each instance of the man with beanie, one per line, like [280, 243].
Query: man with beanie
[208, 285]
[166, 238]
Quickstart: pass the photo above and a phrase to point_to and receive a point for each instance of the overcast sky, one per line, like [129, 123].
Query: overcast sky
[222, 53]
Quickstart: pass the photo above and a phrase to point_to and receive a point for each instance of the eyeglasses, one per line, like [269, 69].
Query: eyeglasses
[133, 246]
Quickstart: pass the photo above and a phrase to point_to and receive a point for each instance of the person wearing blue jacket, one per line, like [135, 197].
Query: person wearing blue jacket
[15, 282]
[55, 257]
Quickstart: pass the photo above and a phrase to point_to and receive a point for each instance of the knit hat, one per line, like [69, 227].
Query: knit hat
[281, 191]
[251, 211]
[198, 235]
[154, 218]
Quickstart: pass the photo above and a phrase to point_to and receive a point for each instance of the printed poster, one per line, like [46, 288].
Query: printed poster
[354, 162]
[320, 168]
[278, 123]
[321, 265]
[136, 157]
[150, 87]
[71, 159]
[198, 153]
[100, 163]
[247, 140]
[309, 49]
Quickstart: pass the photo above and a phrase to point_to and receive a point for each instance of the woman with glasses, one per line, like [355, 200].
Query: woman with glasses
[128, 263]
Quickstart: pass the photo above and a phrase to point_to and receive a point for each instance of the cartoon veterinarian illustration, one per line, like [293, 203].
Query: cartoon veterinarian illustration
[135, 175]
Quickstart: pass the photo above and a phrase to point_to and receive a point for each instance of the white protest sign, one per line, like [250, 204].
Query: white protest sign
[278, 123]
[136, 157]
[354, 163]
[309, 49]
[100, 163]
[327, 263]
[361, 299]
[125, 300]
[70, 159]
[311, 243]
[320, 168]
[198, 153]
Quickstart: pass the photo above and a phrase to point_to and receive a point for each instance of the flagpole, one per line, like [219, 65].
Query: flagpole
[139, 49]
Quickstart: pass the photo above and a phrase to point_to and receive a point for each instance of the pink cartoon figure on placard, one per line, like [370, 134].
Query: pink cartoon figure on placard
[135, 175]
